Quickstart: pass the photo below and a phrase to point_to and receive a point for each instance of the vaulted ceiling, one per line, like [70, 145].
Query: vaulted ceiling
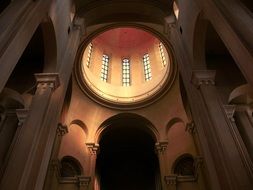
[101, 11]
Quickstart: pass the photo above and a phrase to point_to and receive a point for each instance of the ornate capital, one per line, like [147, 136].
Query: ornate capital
[190, 127]
[171, 179]
[93, 148]
[22, 115]
[62, 129]
[161, 146]
[84, 181]
[203, 77]
[47, 79]
[169, 23]
[230, 110]
[79, 24]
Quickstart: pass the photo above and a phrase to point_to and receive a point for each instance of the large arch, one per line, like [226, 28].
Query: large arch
[127, 156]
[144, 124]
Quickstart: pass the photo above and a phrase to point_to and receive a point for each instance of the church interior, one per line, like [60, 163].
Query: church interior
[126, 95]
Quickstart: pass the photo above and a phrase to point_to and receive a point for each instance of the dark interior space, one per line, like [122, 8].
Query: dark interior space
[127, 160]
[218, 58]
[31, 62]
[4, 4]
[248, 4]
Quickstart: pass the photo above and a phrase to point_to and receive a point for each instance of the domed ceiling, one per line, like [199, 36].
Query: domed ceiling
[125, 67]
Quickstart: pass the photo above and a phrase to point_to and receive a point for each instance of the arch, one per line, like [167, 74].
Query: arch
[70, 167]
[184, 165]
[80, 124]
[50, 45]
[127, 154]
[172, 122]
[144, 123]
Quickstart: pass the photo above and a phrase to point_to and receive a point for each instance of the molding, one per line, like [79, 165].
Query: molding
[84, 181]
[171, 179]
[47, 79]
[203, 77]
[62, 129]
[93, 148]
[22, 115]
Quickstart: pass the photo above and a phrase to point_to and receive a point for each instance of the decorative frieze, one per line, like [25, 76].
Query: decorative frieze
[45, 80]
[203, 77]
[62, 129]
[93, 148]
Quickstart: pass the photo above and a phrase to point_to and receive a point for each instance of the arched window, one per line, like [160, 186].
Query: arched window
[105, 68]
[90, 47]
[162, 54]
[184, 166]
[147, 68]
[70, 167]
[126, 72]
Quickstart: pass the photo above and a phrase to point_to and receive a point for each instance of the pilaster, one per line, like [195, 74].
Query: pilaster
[161, 153]
[223, 136]
[94, 150]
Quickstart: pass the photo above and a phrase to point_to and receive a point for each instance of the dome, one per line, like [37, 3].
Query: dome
[124, 66]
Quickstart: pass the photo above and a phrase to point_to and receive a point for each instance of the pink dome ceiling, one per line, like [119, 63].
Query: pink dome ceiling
[125, 38]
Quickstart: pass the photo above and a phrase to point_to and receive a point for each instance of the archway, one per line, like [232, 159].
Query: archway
[127, 159]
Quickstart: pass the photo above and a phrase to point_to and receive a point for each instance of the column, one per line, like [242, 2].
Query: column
[28, 147]
[93, 148]
[243, 116]
[8, 129]
[229, 163]
[161, 153]
[53, 165]
[239, 138]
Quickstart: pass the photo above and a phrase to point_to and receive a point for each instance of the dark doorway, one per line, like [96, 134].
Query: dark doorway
[127, 160]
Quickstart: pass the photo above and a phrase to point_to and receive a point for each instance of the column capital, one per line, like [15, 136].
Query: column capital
[169, 23]
[203, 77]
[161, 146]
[45, 79]
[83, 181]
[22, 115]
[93, 148]
[62, 129]
[190, 127]
[230, 110]
[171, 179]
[79, 24]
